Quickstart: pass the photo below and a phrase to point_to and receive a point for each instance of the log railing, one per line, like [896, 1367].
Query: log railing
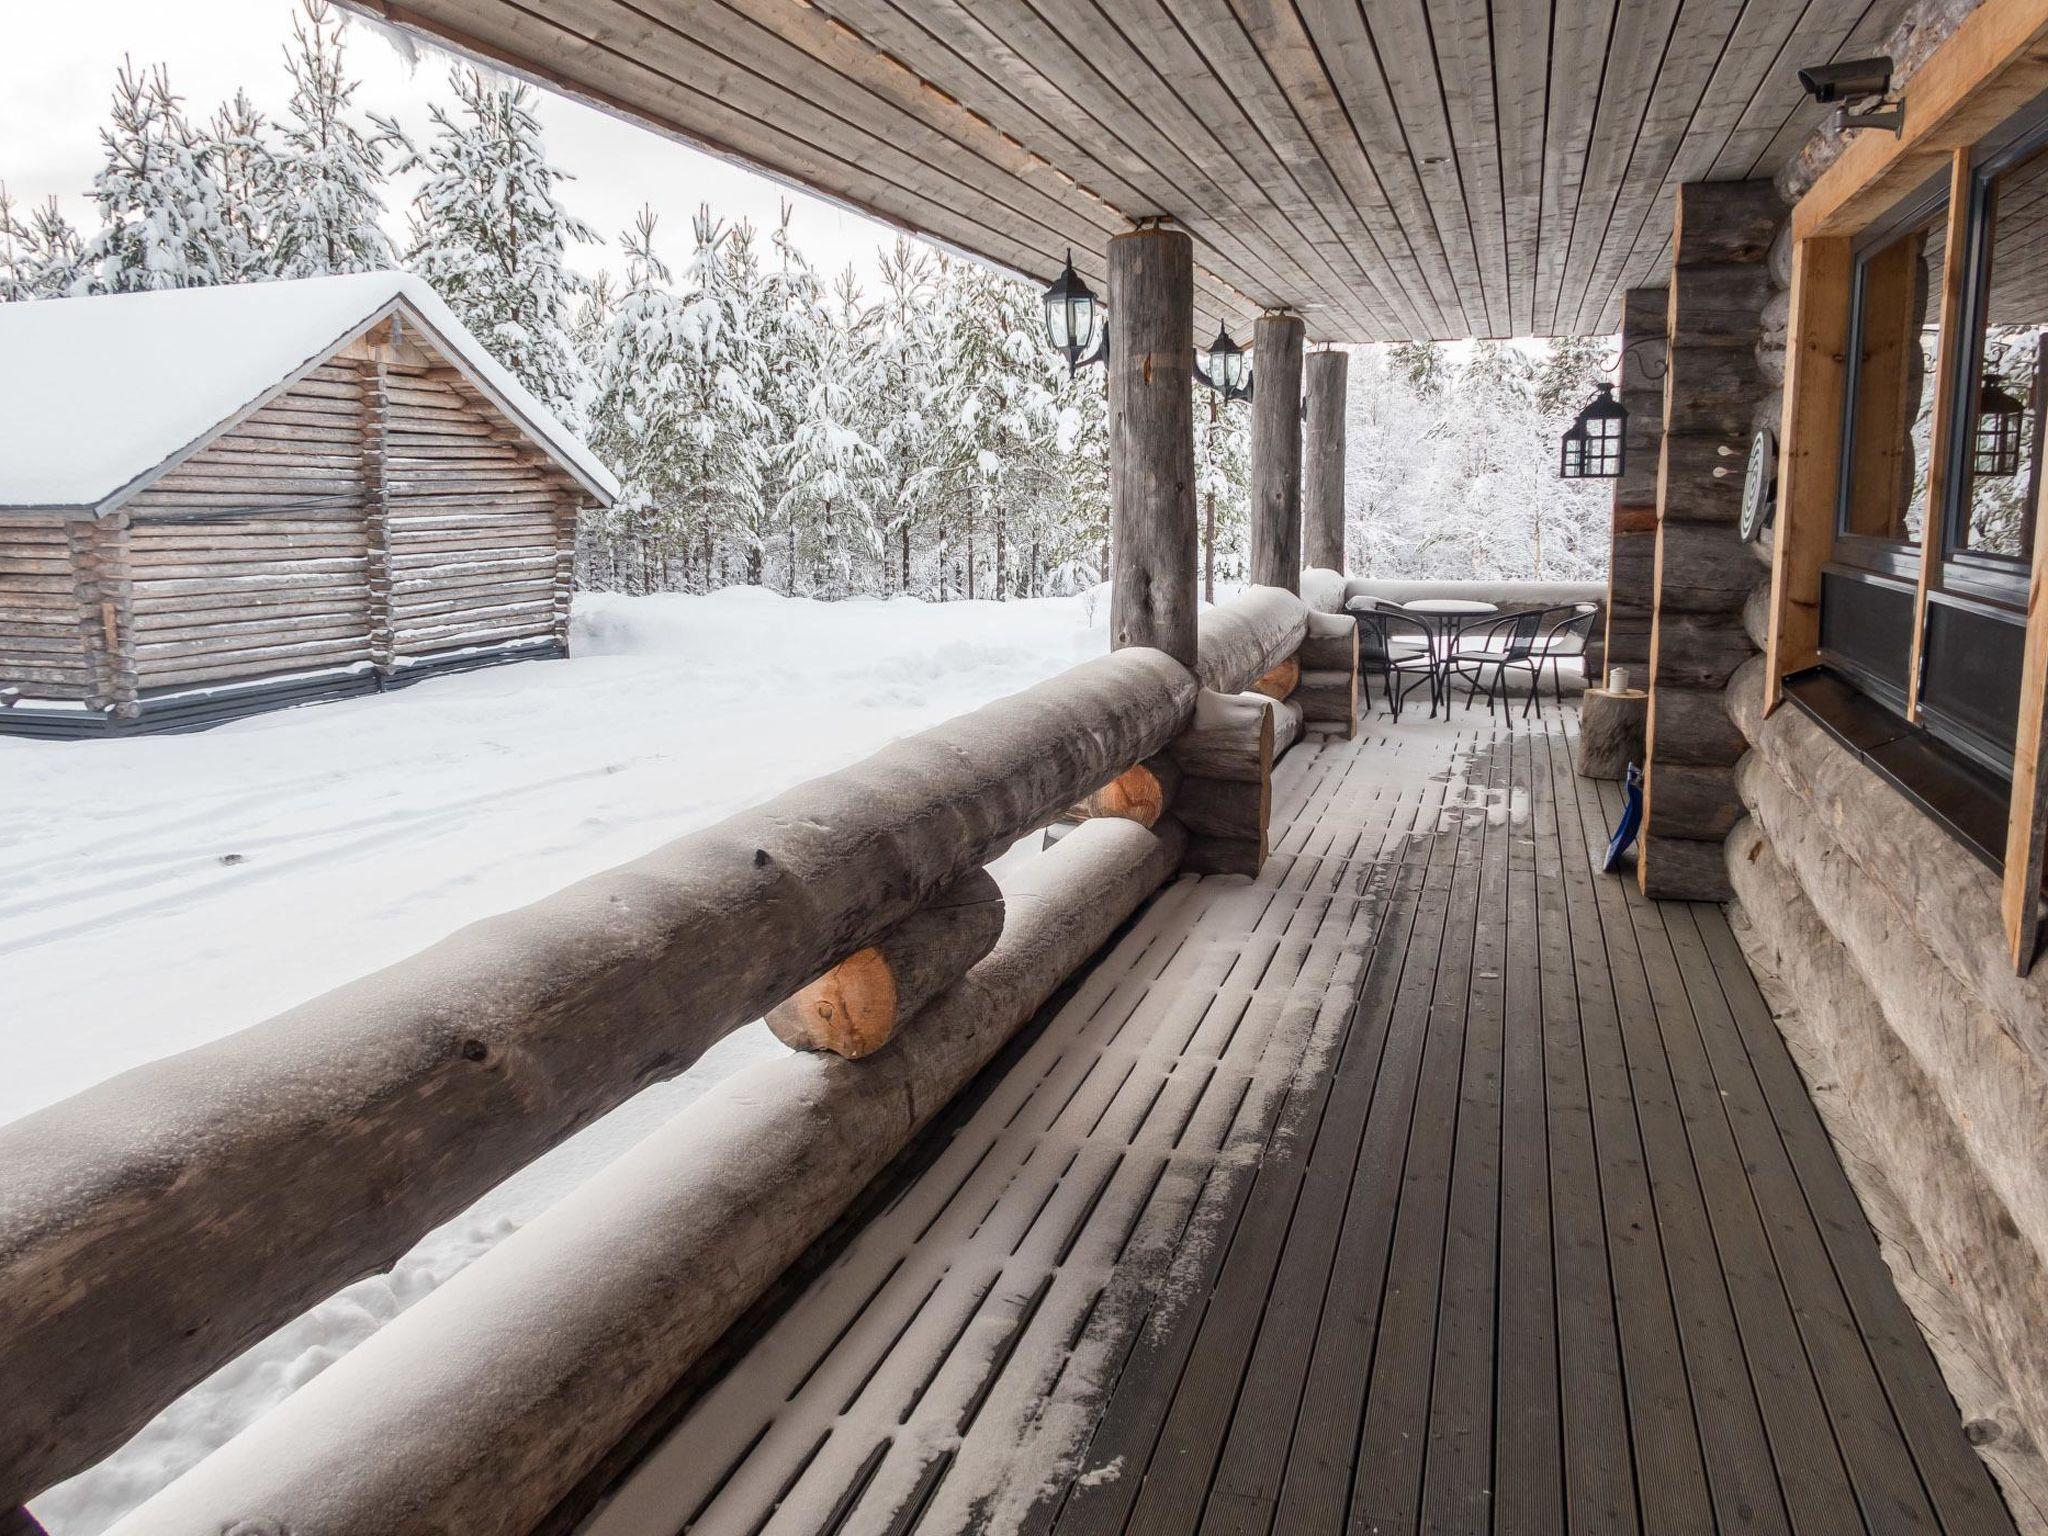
[158, 1224]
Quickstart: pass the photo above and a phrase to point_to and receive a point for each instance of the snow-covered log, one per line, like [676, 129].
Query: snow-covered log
[1230, 736]
[477, 1408]
[1225, 797]
[239, 1183]
[1330, 643]
[1244, 639]
[856, 1007]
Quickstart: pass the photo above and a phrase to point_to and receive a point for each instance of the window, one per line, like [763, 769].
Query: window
[1889, 428]
[1998, 481]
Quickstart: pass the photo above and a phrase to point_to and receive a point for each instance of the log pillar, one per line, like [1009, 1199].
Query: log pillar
[1632, 557]
[1276, 452]
[1152, 442]
[1326, 378]
[1703, 572]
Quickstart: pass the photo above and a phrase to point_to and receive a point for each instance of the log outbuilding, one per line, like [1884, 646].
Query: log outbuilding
[216, 501]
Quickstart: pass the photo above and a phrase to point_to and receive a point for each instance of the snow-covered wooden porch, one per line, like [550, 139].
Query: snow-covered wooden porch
[1431, 1180]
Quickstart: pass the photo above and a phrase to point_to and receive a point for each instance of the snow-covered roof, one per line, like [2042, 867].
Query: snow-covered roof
[97, 394]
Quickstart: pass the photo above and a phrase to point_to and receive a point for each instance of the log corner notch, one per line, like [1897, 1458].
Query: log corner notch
[857, 1007]
[1704, 573]
[1632, 551]
[1226, 790]
[1327, 687]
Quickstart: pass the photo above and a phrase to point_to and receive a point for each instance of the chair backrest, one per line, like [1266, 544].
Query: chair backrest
[1567, 628]
[1379, 627]
[1510, 635]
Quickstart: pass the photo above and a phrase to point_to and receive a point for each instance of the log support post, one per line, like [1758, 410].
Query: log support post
[1276, 452]
[1704, 572]
[1632, 556]
[1152, 442]
[1326, 378]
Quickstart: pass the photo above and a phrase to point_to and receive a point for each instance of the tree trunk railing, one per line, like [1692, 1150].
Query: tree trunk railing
[160, 1223]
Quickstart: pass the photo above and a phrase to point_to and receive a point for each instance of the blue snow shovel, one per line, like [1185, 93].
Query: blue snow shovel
[1631, 821]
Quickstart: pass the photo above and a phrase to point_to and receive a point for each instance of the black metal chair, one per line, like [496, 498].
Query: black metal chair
[1565, 631]
[1396, 647]
[1505, 643]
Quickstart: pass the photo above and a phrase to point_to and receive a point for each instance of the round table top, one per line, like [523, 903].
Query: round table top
[1450, 605]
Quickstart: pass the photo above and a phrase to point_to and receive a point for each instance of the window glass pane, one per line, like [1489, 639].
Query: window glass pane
[1891, 421]
[2002, 458]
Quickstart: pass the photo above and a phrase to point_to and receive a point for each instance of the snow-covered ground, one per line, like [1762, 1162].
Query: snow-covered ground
[161, 892]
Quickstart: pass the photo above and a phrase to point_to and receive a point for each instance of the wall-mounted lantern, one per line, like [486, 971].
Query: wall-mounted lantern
[1996, 450]
[1229, 370]
[1594, 446]
[1074, 320]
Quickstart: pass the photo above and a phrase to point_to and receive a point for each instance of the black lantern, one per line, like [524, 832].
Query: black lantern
[1229, 370]
[1073, 319]
[1997, 447]
[1594, 446]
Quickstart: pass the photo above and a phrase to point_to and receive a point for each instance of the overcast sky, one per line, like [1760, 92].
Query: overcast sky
[57, 74]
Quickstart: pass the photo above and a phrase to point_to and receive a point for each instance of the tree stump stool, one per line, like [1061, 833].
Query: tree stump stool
[1611, 727]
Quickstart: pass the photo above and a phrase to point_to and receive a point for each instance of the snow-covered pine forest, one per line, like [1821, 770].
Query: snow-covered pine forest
[775, 425]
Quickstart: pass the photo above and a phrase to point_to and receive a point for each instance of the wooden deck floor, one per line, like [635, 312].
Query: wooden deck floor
[1431, 1182]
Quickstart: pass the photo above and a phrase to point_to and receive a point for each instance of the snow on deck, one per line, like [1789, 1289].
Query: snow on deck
[164, 891]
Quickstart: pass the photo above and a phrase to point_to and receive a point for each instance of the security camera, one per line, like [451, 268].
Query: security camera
[1849, 81]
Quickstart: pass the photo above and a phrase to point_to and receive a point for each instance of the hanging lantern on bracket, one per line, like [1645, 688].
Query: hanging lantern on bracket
[1594, 446]
[1996, 447]
[1075, 320]
[1229, 370]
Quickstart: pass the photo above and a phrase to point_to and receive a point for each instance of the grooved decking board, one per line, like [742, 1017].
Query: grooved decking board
[1432, 1181]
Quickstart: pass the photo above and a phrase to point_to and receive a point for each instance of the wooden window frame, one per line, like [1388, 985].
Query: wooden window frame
[1989, 70]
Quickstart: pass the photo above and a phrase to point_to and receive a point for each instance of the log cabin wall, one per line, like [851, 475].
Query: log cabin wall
[251, 558]
[1704, 572]
[481, 528]
[45, 614]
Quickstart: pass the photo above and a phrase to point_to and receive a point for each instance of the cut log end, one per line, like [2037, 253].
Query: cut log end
[1141, 793]
[849, 1011]
[1281, 681]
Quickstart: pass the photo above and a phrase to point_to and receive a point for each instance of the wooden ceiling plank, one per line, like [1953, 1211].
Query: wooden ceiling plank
[1036, 61]
[1404, 69]
[1636, 54]
[1462, 31]
[951, 49]
[1224, 95]
[1521, 75]
[1217, 144]
[1219, 49]
[1825, 29]
[1276, 30]
[1352, 64]
[508, 37]
[1579, 44]
[1721, 43]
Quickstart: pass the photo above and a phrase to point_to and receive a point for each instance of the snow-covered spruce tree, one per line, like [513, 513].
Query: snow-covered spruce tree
[783, 357]
[489, 232]
[831, 464]
[249, 177]
[158, 202]
[39, 254]
[901, 403]
[332, 175]
[1223, 457]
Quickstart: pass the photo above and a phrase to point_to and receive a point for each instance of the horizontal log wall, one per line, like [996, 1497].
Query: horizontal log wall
[1881, 944]
[479, 526]
[46, 613]
[156, 1225]
[212, 597]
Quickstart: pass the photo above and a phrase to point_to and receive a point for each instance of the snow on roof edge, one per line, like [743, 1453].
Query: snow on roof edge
[100, 395]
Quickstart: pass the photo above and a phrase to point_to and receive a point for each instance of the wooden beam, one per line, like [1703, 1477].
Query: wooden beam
[1327, 376]
[2026, 826]
[1276, 452]
[1951, 355]
[1809, 448]
[1155, 541]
